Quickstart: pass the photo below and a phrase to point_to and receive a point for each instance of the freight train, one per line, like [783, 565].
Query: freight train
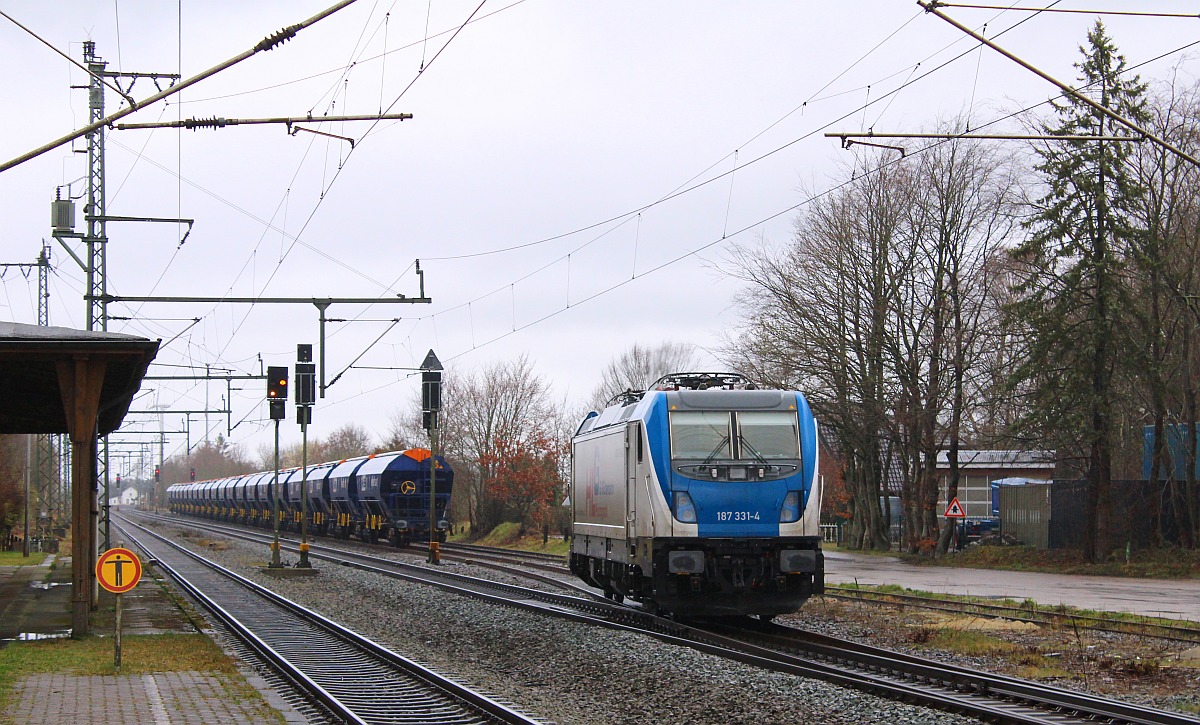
[699, 497]
[381, 496]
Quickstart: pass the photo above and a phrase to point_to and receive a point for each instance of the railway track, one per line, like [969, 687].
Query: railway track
[391, 567]
[1019, 696]
[1177, 632]
[358, 680]
[993, 698]
[475, 552]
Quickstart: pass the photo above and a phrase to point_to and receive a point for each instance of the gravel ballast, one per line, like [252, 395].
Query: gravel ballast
[556, 670]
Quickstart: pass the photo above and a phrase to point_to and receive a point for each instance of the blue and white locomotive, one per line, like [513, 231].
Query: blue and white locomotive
[699, 497]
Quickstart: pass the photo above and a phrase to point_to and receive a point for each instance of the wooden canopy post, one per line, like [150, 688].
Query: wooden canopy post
[81, 380]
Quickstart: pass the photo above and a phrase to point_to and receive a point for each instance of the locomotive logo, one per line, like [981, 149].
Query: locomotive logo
[408, 487]
[593, 487]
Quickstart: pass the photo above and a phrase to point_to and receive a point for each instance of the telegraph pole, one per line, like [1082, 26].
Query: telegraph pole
[43, 479]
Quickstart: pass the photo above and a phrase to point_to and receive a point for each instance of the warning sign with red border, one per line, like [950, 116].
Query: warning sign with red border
[118, 570]
[955, 510]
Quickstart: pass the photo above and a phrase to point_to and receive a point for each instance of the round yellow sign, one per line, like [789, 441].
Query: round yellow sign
[118, 570]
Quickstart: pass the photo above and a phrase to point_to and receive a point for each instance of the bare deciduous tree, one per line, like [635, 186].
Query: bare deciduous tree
[639, 366]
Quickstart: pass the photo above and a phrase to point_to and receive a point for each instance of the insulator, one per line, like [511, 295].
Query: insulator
[214, 122]
[282, 36]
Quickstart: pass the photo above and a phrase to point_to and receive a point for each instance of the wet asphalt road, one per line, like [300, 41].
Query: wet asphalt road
[1174, 598]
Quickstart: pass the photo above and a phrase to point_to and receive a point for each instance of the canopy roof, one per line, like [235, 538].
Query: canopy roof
[34, 358]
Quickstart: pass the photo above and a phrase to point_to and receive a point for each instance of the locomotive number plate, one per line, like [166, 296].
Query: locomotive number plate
[737, 516]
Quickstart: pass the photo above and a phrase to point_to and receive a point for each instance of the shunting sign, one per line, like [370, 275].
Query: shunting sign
[955, 510]
[118, 570]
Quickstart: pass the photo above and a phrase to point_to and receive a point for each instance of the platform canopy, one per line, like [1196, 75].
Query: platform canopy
[32, 360]
[58, 380]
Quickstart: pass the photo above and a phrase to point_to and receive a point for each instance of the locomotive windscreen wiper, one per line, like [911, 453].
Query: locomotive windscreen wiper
[745, 446]
[720, 446]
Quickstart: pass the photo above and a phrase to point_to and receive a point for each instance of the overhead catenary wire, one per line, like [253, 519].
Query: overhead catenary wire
[938, 140]
[688, 186]
[81, 66]
[312, 214]
[510, 288]
[268, 43]
[627, 216]
[341, 69]
[526, 325]
[932, 7]
[1131, 13]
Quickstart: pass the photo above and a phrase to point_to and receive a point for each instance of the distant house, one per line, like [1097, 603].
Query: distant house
[128, 497]
[979, 469]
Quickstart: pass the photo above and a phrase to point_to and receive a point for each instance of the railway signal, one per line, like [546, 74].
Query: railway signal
[431, 403]
[277, 395]
[306, 396]
[277, 390]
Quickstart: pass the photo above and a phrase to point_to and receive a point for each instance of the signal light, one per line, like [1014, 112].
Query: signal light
[277, 382]
[306, 383]
[157, 474]
[192, 473]
[431, 390]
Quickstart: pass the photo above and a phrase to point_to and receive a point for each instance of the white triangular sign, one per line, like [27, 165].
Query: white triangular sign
[955, 510]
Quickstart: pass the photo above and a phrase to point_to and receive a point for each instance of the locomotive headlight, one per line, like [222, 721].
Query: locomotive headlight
[685, 562]
[790, 513]
[685, 508]
[797, 561]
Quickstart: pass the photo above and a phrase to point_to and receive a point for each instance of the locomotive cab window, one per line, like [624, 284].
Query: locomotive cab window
[700, 434]
[769, 436]
[761, 436]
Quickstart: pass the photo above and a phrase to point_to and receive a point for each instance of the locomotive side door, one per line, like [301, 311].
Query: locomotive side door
[636, 504]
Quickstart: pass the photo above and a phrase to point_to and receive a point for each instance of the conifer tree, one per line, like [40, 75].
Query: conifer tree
[1072, 291]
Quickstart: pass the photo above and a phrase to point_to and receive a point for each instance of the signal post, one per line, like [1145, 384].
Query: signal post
[431, 405]
[277, 387]
[277, 397]
[306, 393]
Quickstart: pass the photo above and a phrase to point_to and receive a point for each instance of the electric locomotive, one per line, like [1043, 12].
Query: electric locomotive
[699, 497]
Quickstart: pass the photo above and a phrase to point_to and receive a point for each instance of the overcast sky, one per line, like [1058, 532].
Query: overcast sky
[572, 178]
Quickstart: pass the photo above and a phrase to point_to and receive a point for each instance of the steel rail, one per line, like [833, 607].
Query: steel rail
[468, 582]
[882, 672]
[1091, 708]
[612, 616]
[501, 551]
[330, 687]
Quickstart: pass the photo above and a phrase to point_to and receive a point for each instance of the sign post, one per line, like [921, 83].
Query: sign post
[118, 571]
[955, 511]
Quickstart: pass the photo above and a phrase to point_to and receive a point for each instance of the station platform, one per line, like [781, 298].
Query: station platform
[35, 604]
